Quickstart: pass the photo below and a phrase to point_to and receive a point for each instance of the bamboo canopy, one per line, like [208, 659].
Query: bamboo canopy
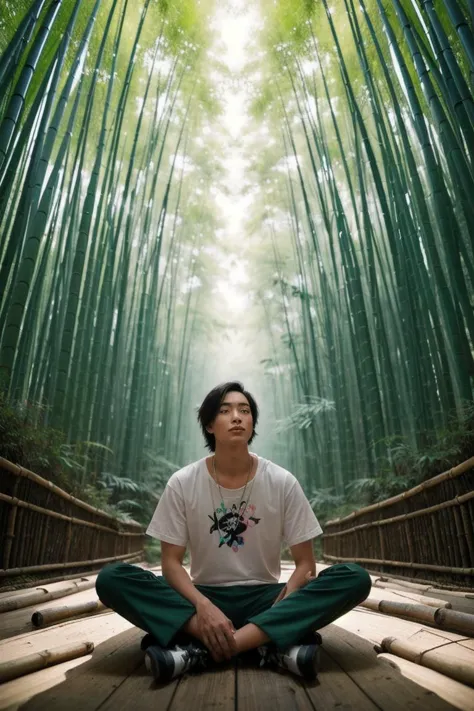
[302, 217]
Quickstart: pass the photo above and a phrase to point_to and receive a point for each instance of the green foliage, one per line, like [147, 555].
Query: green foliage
[402, 468]
[26, 441]
[153, 551]
[137, 499]
[305, 414]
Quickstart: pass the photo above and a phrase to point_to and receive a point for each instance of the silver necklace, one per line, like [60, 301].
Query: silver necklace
[239, 513]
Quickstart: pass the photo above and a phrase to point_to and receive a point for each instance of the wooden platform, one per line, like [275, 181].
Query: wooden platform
[114, 678]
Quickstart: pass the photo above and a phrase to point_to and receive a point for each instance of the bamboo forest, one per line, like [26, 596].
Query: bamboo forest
[277, 192]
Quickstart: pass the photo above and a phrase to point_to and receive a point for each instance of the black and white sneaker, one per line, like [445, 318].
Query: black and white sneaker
[300, 659]
[166, 664]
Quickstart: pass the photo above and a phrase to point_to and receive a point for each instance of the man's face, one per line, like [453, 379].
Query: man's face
[233, 423]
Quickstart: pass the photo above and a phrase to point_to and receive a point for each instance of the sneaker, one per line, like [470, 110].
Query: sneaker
[166, 664]
[300, 659]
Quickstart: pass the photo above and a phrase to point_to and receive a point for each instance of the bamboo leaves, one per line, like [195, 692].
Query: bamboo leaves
[383, 182]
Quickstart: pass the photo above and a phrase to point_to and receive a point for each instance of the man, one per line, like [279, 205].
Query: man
[233, 509]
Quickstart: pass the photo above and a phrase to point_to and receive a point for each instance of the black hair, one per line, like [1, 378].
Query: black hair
[210, 408]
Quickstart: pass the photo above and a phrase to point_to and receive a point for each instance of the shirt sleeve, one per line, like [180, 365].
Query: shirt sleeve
[169, 520]
[300, 523]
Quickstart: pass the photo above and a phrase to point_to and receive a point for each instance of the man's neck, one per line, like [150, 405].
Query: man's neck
[233, 462]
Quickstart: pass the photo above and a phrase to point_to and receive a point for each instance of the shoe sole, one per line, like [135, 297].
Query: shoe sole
[308, 661]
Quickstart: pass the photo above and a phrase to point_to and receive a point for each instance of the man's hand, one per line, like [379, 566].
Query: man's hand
[284, 592]
[216, 631]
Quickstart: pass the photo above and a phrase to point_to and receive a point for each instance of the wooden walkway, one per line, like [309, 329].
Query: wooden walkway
[114, 678]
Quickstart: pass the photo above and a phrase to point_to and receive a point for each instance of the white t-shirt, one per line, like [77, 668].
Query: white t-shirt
[275, 509]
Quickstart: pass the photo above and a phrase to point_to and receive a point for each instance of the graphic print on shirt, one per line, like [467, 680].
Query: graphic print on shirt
[232, 524]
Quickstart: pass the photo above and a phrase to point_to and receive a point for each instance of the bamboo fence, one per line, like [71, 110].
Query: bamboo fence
[426, 532]
[58, 534]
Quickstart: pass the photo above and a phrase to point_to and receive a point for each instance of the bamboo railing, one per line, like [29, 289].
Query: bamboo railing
[58, 534]
[425, 533]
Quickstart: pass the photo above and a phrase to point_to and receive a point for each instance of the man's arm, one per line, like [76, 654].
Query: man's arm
[303, 555]
[176, 575]
[209, 624]
[305, 566]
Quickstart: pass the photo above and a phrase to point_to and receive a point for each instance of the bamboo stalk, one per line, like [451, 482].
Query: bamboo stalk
[457, 501]
[79, 521]
[20, 540]
[26, 473]
[453, 619]
[436, 659]
[386, 582]
[40, 618]
[43, 595]
[75, 564]
[439, 617]
[459, 695]
[68, 541]
[57, 579]
[10, 534]
[420, 613]
[422, 584]
[381, 543]
[468, 532]
[402, 564]
[44, 540]
[415, 597]
[434, 481]
[40, 660]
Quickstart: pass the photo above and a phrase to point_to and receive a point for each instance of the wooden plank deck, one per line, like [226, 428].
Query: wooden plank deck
[350, 678]
[114, 678]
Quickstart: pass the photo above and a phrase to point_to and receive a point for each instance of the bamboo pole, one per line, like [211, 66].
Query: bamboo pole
[58, 579]
[421, 584]
[459, 669]
[458, 695]
[401, 564]
[457, 501]
[43, 595]
[414, 597]
[442, 617]
[68, 541]
[387, 582]
[74, 564]
[468, 530]
[79, 521]
[40, 618]
[419, 596]
[10, 534]
[453, 619]
[44, 538]
[27, 474]
[40, 660]
[420, 613]
[429, 483]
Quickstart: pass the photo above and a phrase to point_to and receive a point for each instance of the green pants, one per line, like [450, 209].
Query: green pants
[148, 602]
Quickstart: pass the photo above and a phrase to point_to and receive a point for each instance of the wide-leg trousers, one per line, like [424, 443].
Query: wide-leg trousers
[150, 603]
